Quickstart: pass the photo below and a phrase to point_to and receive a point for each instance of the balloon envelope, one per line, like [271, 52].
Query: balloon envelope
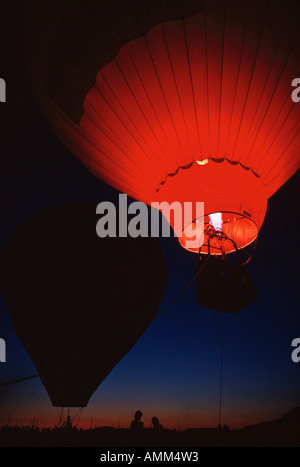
[79, 303]
[178, 100]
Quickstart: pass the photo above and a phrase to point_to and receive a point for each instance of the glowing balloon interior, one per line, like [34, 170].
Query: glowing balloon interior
[175, 101]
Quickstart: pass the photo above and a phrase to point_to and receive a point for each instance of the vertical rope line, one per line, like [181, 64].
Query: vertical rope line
[61, 417]
[222, 74]
[221, 375]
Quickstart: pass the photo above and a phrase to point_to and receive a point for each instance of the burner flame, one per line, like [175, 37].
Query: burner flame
[217, 221]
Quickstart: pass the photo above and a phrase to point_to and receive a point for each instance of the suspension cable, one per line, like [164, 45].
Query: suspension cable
[160, 314]
[18, 380]
[221, 374]
[185, 289]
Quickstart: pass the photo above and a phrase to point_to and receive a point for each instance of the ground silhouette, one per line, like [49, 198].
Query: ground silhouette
[284, 432]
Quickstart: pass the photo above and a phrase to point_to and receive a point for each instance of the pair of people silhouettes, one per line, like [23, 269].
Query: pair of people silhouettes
[138, 425]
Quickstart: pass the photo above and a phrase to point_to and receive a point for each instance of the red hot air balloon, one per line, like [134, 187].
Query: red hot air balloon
[177, 100]
[79, 303]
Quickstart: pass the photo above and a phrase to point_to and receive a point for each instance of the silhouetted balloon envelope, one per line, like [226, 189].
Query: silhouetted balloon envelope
[79, 303]
[174, 100]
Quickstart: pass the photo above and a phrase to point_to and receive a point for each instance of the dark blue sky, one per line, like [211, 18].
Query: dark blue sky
[173, 371]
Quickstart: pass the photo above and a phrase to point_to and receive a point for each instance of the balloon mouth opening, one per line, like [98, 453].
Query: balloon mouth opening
[219, 233]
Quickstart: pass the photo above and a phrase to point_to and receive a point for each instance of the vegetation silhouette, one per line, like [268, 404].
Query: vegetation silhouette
[284, 432]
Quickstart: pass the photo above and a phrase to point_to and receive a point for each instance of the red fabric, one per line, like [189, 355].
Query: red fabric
[215, 86]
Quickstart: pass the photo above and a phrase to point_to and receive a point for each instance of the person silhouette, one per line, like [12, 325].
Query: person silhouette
[68, 424]
[136, 424]
[156, 425]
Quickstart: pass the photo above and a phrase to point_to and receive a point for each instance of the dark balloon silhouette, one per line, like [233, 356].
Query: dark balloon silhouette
[79, 303]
